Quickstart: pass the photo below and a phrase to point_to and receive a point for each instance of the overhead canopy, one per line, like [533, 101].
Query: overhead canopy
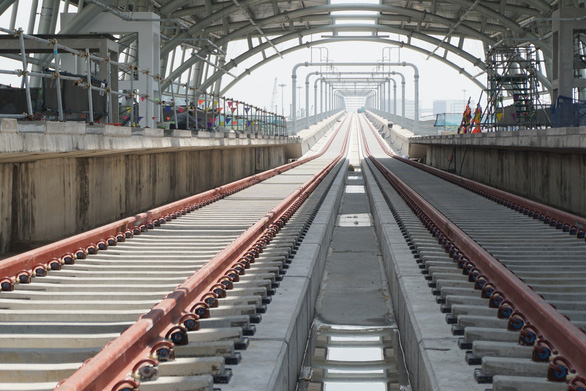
[197, 32]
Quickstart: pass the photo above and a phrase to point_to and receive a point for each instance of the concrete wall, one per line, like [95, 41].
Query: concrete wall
[5, 205]
[553, 177]
[309, 137]
[397, 137]
[44, 200]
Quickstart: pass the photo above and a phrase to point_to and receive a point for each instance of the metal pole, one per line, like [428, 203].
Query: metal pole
[321, 98]
[315, 102]
[389, 96]
[325, 96]
[109, 83]
[332, 103]
[403, 103]
[33, 16]
[89, 82]
[416, 81]
[58, 81]
[161, 113]
[174, 106]
[293, 102]
[282, 99]
[187, 102]
[29, 103]
[131, 69]
[394, 97]
[307, 104]
[13, 16]
[148, 104]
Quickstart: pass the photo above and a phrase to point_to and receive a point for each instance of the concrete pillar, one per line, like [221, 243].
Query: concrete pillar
[567, 21]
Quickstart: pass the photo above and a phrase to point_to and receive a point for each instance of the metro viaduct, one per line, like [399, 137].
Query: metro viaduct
[61, 178]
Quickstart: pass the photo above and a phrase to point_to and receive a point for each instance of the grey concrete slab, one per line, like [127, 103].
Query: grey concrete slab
[179, 383]
[520, 383]
[351, 296]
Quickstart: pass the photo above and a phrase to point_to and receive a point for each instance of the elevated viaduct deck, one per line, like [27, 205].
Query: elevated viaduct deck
[58, 179]
[545, 165]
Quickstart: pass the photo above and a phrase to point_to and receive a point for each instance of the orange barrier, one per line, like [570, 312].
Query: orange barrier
[554, 337]
[120, 357]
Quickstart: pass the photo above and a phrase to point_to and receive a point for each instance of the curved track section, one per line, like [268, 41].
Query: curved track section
[163, 300]
[508, 272]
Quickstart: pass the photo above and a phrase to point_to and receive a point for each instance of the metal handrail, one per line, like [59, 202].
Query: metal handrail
[242, 116]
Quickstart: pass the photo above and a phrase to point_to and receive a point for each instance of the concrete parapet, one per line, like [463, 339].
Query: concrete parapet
[309, 137]
[8, 125]
[569, 139]
[399, 138]
[117, 131]
[153, 132]
[31, 127]
[70, 128]
[44, 139]
[181, 133]
[109, 130]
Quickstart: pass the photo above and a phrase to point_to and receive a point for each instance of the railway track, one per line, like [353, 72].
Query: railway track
[508, 272]
[170, 303]
[164, 300]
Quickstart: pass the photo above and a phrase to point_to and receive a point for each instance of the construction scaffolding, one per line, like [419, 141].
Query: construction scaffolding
[512, 72]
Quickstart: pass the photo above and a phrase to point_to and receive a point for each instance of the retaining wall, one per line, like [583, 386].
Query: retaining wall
[397, 137]
[55, 182]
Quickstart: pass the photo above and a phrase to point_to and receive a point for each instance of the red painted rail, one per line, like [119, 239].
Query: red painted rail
[116, 360]
[11, 267]
[549, 326]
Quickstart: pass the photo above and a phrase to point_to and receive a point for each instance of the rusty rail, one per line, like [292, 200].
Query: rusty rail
[164, 321]
[67, 250]
[555, 338]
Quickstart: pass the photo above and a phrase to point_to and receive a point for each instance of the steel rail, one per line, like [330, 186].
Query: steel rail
[118, 358]
[555, 217]
[505, 290]
[78, 246]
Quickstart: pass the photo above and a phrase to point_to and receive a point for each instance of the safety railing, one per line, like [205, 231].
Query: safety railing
[425, 127]
[313, 119]
[188, 107]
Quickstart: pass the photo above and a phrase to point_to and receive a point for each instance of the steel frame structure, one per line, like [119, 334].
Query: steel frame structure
[207, 27]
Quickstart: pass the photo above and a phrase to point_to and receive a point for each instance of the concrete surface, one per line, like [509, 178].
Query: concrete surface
[353, 313]
[45, 139]
[352, 292]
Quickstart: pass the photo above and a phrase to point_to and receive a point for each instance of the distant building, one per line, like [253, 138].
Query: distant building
[448, 106]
